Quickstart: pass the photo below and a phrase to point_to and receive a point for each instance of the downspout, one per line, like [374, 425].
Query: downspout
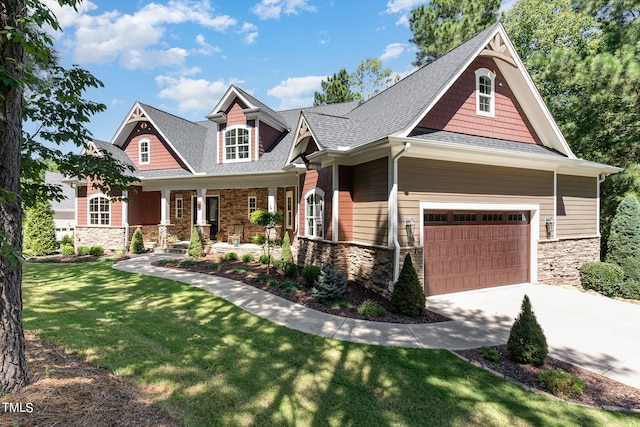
[393, 217]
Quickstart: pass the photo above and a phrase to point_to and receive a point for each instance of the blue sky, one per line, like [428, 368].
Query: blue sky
[181, 55]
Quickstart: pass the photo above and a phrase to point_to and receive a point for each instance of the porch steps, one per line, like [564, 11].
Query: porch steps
[179, 248]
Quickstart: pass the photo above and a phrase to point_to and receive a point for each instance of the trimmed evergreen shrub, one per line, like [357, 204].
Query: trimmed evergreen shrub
[330, 286]
[231, 256]
[408, 296]
[630, 290]
[39, 230]
[68, 250]
[96, 251]
[489, 353]
[195, 250]
[258, 240]
[290, 270]
[602, 277]
[83, 250]
[286, 254]
[137, 245]
[371, 309]
[265, 259]
[66, 240]
[289, 286]
[527, 343]
[273, 282]
[310, 273]
[279, 264]
[248, 258]
[561, 383]
[623, 246]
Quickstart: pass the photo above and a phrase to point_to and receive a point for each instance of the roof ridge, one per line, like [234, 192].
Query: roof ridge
[169, 114]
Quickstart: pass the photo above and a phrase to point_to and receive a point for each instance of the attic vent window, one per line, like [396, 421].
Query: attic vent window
[143, 152]
[485, 92]
[236, 145]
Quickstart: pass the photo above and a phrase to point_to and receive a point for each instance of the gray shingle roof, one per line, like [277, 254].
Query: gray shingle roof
[115, 152]
[68, 193]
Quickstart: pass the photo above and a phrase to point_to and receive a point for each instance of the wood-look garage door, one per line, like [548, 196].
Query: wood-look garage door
[473, 250]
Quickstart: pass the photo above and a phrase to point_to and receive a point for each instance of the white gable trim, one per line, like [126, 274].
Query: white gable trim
[560, 143]
[298, 148]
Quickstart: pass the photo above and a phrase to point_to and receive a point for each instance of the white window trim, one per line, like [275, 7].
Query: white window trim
[223, 145]
[179, 210]
[288, 212]
[148, 142]
[95, 196]
[483, 72]
[255, 205]
[312, 235]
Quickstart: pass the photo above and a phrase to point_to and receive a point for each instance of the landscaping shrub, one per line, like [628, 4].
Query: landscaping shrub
[527, 343]
[258, 240]
[310, 273]
[623, 246]
[187, 263]
[83, 250]
[408, 296]
[137, 245]
[39, 230]
[262, 278]
[279, 264]
[289, 286]
[489, 353]
[96, 251]
[273, 282]
[66, 240]
[331, 285]
[265, 259]
[370, 308]
[602, 277]
[290, 270]
[68, 250]
[630, 290]
[286, 254]
[241, 270]
[195, 250]
[561, 383]
[231, 256]
[221, 259]
[247, 258]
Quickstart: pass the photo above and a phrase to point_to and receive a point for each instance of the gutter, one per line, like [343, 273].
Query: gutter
[393, 215]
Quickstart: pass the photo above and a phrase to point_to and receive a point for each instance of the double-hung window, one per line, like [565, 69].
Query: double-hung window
[99, 210]
[143, 152]
[179, 207]
[314, 208]
[236, 144]
[485, 92]
[252, 205]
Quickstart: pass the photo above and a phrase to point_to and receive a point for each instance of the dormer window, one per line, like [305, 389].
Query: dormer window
[236, 145]
[485, 92]
[143, 152]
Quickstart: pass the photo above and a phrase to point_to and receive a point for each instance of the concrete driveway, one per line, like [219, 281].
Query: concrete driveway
[592, 331]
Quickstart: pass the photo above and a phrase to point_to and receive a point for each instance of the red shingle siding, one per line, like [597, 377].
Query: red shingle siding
[235, 116]
[268, 136]
[456, 111]
[160, 155]
[81, 212]
[321, 179]
[84, 194]
[345, 203]
[144, 208]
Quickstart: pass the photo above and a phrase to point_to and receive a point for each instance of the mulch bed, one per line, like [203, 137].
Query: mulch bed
[355, 295]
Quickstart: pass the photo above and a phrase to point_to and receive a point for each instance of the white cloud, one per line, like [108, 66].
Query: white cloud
[130, 38]
[272, 9]
[396, 6]
[393, 50]
[193, 95]
[296, 92]
[205, 48]
[250, 32]
[403, 21]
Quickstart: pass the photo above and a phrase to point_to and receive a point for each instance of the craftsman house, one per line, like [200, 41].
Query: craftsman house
[459, 164]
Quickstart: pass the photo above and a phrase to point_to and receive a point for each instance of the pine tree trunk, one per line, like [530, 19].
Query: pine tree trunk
[13, 364]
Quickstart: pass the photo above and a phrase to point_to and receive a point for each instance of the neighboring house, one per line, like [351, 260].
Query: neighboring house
[64, 211]
[459, 164]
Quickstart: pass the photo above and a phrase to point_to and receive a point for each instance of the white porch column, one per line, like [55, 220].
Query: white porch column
[335, 203]
[271, 206]
[125, 208]
[200, 214]
[165, 199]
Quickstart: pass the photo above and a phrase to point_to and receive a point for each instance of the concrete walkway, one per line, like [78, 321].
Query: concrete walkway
[592, 331]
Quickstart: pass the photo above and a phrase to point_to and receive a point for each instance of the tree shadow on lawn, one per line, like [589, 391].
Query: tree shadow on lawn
[210, 362]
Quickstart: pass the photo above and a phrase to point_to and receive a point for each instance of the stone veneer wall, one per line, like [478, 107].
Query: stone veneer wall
[110, 238]
[370, 266]
[559, 260]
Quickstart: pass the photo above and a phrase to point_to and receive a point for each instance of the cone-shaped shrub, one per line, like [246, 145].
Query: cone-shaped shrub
[286, 254]
[408, 296]
[137, 245]
[527, 343]
[624, 239]
[195, 245]
[39, 230]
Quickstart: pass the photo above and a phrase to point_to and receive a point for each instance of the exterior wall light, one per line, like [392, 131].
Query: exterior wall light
[548, 223]
[409, 226]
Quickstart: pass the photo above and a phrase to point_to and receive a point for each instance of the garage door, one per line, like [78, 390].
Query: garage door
[473, 250]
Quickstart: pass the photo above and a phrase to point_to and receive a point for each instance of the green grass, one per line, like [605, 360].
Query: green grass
[215, 364]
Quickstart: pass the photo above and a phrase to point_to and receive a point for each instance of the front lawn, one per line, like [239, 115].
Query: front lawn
[211, 363]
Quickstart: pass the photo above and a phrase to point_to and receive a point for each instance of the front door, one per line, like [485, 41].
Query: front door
[213, 215]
